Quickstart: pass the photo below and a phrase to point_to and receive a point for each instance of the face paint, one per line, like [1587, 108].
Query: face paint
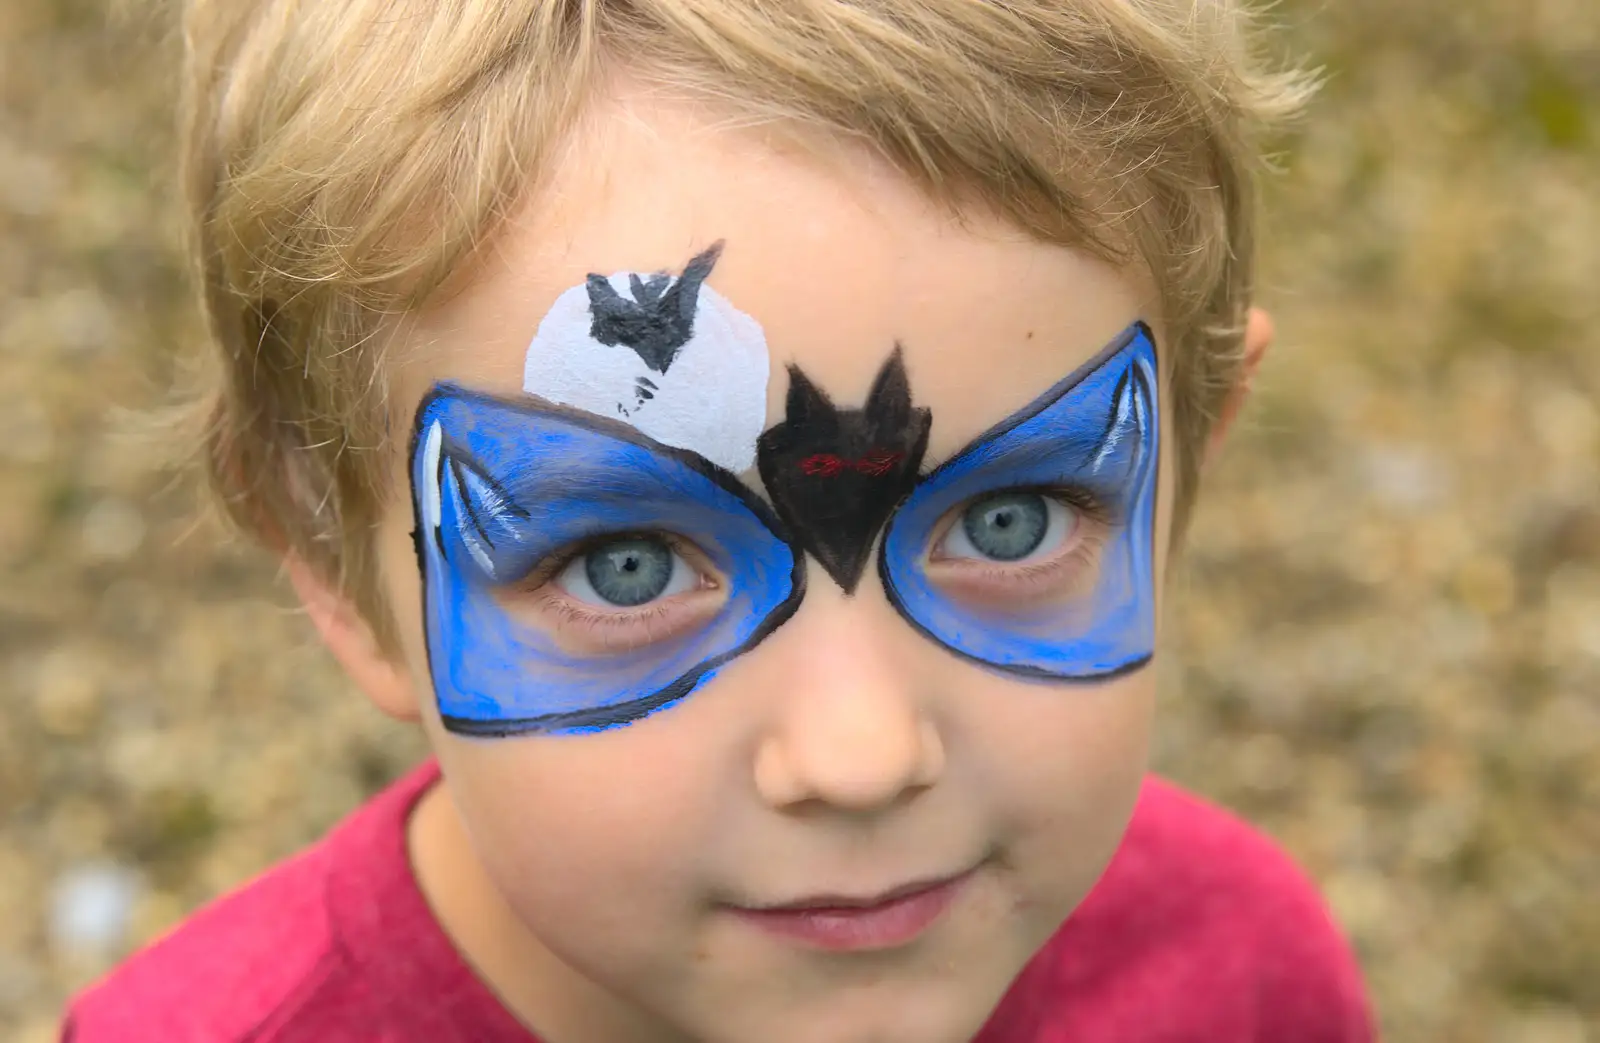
[1031, 550]
[516, 497]
[513, 499]
[835, 474]
[668, 356]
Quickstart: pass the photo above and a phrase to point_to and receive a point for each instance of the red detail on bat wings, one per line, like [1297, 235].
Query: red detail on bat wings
[875, 464]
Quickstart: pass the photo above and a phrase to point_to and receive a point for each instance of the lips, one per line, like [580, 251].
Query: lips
[852, 923]
[834, 901]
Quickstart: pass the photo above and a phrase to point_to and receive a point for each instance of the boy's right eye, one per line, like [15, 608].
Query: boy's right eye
[619, 593]
[575, 578]
[627, 573]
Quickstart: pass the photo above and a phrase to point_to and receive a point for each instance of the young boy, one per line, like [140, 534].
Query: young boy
[749, 438]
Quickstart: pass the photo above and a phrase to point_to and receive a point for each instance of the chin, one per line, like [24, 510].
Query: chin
[871, 1003]
[938, 1020]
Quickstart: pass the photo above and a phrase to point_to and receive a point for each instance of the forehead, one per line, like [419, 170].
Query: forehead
[836, 255]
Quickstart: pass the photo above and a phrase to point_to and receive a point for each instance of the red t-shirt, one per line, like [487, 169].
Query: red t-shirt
[1200, 930]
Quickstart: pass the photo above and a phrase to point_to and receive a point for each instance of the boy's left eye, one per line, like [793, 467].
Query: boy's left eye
[1009, 528]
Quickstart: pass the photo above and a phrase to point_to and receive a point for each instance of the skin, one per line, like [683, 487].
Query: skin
[582, 875]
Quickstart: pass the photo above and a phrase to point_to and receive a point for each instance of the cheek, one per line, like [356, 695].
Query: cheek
[1066, 763]
[594, 840]
[558, 820]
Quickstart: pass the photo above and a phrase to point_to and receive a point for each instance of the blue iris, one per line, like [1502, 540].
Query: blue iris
[1007, 526]
[629, 573]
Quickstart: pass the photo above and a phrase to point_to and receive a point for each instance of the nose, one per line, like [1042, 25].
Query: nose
[850, 731]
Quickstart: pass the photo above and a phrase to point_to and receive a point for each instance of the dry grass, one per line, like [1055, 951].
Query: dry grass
[1391, 631]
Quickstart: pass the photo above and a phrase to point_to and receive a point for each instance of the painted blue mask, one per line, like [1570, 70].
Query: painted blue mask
[501, 487]
[1094, 437]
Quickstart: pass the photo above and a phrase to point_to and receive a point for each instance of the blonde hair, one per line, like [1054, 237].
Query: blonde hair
[344, 157]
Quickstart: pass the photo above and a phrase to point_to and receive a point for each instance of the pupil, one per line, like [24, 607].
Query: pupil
[1007, 527]
[629, 572]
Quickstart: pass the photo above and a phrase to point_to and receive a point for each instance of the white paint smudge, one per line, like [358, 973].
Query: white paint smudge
[712, 400]
[431, 508]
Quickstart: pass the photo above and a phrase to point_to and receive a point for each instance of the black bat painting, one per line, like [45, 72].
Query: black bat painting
[835, 475]
[659, 320]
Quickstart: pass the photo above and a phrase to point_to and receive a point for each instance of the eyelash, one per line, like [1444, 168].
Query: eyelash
[1062, 573]
[623, 629]
[614, 630]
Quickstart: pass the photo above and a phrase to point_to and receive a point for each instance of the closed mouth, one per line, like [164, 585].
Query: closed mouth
[824, 902]
[842, 922]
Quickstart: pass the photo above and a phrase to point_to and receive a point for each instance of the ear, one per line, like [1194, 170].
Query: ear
[1258, 335]
[351, 640]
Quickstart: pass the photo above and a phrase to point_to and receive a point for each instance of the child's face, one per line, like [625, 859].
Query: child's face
[675, 671]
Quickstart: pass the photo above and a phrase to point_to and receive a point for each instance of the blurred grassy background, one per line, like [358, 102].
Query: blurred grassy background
[1389, 643]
